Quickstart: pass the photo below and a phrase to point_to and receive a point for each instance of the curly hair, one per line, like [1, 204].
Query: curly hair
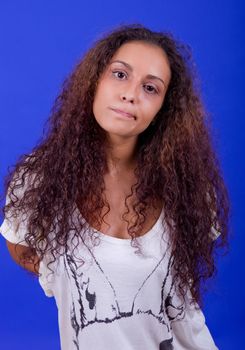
[176, 165]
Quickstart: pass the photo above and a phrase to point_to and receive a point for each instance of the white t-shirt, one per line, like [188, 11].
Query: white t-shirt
[118, 299]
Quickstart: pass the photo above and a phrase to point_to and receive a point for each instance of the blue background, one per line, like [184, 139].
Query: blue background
[40, 43]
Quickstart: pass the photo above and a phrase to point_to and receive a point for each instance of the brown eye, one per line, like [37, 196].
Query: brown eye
[119, 74]
[150, 89]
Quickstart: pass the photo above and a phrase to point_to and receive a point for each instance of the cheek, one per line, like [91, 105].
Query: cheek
[98, 100]
[102, 96]
[159, 104]
[102, 101]
[151, 108]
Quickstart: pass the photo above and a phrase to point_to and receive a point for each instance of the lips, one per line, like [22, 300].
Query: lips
[123, 113]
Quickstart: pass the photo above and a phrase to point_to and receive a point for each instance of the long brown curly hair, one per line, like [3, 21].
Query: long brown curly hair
[176, 165]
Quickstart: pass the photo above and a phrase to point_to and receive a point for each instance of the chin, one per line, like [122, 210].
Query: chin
[117, 133]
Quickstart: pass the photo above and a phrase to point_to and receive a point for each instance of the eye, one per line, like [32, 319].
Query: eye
[150, 89]
[119, 74]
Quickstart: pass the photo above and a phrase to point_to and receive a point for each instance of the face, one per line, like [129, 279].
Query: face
[131, 90]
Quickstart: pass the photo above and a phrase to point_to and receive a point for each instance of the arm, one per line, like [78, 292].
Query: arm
[29, 260]
[14, 231]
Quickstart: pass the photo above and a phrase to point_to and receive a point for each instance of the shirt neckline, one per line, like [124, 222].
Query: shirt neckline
[127, 241]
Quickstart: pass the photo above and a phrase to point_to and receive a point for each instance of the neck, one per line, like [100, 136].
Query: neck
[120, 155]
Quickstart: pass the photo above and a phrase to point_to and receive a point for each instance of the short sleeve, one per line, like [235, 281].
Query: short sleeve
[191, 332]
[14, 230]
[46, 279]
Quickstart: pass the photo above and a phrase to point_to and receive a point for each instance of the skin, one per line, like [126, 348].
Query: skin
[136, 82]
[128, 84]
[15, 252]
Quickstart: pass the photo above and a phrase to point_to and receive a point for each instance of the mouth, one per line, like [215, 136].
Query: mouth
[124, 113]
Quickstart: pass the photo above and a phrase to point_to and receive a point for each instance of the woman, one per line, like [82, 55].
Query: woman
[118, 208]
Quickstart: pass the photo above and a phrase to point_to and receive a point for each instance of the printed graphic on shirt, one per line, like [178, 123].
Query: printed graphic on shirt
[166, 345]
[95, 299]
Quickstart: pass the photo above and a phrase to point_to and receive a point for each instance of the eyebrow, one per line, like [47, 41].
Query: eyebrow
[149, 76]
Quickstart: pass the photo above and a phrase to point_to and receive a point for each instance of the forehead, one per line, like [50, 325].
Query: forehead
[144, 56]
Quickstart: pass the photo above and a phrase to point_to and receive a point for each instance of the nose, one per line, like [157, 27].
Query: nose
[130, 99]
[129, 94]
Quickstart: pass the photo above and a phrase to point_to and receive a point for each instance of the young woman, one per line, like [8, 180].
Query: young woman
[118, 208]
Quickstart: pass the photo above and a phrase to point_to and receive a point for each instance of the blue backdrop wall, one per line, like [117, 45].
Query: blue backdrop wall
[40, 43]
